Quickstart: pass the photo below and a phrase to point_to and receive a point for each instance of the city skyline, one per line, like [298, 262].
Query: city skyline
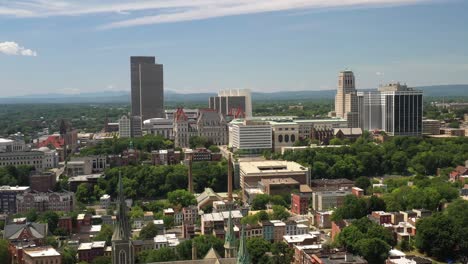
[288, 45]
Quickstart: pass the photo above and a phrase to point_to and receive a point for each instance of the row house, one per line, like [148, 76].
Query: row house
[87, 252]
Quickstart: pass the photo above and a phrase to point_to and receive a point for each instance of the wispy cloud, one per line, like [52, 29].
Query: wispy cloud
[146, 12]
[12, 48]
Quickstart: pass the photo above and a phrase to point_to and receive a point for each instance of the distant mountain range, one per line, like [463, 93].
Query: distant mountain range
[172, 96]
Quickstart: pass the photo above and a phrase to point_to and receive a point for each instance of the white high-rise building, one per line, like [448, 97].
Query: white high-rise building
[251, 136]
[125, 127]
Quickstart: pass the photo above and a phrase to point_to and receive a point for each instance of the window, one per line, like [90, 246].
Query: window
[280, 138]
[286, 138]
[293, 138]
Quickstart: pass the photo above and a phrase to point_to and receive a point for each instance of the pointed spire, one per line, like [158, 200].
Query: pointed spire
[121, 230]
[230, 239]
[243, 256]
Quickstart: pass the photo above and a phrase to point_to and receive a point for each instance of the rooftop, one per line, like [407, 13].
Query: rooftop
[270, 166]
[91, 245]
[41, 252]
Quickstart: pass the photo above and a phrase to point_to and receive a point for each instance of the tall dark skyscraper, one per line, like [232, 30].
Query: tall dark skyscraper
[147, 87]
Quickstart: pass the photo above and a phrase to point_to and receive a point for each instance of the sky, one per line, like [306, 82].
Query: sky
[80, 46]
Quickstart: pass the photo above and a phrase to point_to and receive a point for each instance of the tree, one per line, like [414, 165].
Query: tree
[68, 256]
[362, 182]
[282, 253]
[204, 243]
[278, 200]
[105, 234]
[149, 231]
[375, 203]
[214, 149]
[50, 218]
[353, 208]
[262, 216]
[4, 253]
[260, 201]
[183, 198]
[374, 250]
[160, 255]
[199, 142]
[83, 194]
[102, 260]
[438, 236]
[257, 248]
[280, 213]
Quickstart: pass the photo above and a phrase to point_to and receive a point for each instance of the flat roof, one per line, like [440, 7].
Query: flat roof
[41, 252]
[270, 166]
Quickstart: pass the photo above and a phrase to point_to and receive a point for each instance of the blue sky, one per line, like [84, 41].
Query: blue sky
[71, 46]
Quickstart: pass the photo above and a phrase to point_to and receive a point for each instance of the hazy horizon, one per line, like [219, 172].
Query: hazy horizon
[71, 46]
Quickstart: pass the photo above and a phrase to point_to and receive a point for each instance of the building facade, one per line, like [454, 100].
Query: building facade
[8, 197]
[232, 103]
[31, 158]
[147, 87]
[346, 98]
[41, 202]
[251, 136]
[210, 125]
[394, 108]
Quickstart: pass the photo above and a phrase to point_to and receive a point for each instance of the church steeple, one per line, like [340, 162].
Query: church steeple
[122, 250]
[230, 239]
[243, 256]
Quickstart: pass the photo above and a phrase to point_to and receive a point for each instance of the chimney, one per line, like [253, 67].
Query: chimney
[194, 251]
[190, 176]
[230, 169]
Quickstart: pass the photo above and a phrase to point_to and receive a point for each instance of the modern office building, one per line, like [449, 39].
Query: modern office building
[346, 98]
[394, 108]
[147, 87]
[402, 110]
[232, 103]
[251, 136]
[431, 127]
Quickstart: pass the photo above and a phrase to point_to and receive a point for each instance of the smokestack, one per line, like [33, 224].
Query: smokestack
[190, 176]
[230, 169]
[194, 251]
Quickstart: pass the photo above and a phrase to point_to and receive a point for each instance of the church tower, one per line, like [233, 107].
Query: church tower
[230, 240]
[122, 249]
[243, 256]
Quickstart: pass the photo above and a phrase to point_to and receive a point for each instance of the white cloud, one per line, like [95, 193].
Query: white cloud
[145, 12]
[12, 48]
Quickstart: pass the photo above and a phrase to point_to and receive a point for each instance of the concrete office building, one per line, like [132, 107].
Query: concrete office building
[253, 172]
[147, 87]
[431, 127]
[285, 134]
[232, 102]
[32, 158]
[12, 145]
[125, 129]
[159, 126]
[326, 200]
[250, 136]
[346, 98]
